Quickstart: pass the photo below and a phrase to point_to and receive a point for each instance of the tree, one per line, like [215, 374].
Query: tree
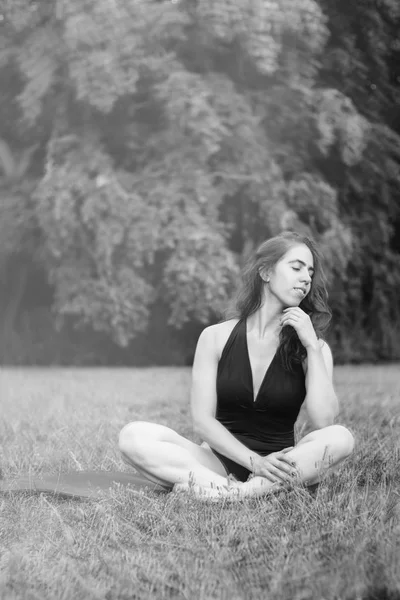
[359, 61]
[176, 136]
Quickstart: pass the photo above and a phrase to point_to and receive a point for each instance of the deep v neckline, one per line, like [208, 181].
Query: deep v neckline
[255, 397]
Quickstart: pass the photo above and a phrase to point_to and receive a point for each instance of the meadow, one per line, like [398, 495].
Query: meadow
[340, 542]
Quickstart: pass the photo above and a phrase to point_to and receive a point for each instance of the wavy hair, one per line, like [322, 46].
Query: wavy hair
[250, 294]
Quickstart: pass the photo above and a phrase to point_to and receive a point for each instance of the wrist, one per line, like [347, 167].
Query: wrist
[313, 347]
[255, 462]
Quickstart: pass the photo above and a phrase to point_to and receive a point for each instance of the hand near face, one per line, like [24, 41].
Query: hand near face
[297, 318]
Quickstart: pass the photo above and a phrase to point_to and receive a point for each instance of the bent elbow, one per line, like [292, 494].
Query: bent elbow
[322, 423]
[324, 416]
[335, 409]
[325, 420]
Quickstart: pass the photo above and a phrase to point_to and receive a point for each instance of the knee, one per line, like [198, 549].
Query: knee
[343, 440]
[131, 438]
[337, 438]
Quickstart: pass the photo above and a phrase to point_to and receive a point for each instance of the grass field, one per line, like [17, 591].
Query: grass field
[342, 542]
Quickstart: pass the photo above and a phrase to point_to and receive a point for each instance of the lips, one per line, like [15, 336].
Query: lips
[302, 291]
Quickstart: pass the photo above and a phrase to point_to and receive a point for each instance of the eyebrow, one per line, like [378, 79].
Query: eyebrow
[303, 263]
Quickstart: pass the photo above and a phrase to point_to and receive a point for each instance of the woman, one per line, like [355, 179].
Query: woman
[251, 374]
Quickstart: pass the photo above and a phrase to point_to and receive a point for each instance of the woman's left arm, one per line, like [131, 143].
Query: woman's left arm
[321, 401]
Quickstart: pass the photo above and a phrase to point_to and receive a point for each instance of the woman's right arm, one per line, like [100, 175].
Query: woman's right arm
[204, 402]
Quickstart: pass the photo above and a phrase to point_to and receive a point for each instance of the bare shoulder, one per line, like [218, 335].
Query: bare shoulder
[217, 335]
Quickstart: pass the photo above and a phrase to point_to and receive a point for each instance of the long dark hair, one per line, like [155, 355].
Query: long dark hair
[250, 294]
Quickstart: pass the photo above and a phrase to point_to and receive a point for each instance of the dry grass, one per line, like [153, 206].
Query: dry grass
[341, 543]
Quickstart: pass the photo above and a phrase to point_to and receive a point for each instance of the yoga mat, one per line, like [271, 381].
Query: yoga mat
[79, 484]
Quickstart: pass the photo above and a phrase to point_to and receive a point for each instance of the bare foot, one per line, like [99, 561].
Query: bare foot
[235, 491]
[206, 494]
[258, 486]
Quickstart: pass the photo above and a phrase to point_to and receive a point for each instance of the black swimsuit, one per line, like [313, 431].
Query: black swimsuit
[265, 424]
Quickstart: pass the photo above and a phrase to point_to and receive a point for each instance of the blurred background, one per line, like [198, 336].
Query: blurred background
[147, 146]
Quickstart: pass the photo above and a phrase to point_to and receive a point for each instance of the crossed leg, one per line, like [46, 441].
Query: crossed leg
[168, 458]
[314, 454]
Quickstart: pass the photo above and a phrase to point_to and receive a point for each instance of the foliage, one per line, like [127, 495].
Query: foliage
[17, 215]
[95, 267]
[19, 236]
[175, 136]
[360, 61]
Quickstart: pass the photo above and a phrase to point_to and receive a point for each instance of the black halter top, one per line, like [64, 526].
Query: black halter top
[264, 424]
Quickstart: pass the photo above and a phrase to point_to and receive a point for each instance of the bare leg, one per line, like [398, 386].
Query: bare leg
[168, 458]
[313, 455]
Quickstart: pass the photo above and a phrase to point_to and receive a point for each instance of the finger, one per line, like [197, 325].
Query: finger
[271, 471]
[271, 477]
[284, 466]
[268, 475]
[292, 315]
[289, 321]
[290, 471]
[288, 467]
[283, 322]
[287, 459]
[282, 476]
[281, 454]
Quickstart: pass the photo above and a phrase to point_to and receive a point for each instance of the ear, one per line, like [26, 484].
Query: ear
[264, 274]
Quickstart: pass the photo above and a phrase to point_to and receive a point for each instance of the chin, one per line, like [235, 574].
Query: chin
[294, 300]
[290, 304]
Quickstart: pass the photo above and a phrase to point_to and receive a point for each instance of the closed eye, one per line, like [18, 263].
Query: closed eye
[298, 269]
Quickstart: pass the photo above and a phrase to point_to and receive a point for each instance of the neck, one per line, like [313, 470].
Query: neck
[265, 321]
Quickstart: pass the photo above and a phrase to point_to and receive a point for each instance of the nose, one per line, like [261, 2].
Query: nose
[306, 278]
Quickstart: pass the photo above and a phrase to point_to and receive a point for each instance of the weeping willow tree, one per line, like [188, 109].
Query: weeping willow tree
[173, 138]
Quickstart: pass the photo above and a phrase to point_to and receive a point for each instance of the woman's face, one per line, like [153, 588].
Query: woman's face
[290, 279]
